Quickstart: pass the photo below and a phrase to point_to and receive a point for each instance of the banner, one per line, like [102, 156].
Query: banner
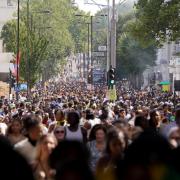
[16, 66]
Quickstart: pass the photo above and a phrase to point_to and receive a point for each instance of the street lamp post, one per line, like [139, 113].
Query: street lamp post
[88, 53]
[113, 37]
[91, 41]
[88, 63]
[108, 28]
[27, 53]
[17, 53]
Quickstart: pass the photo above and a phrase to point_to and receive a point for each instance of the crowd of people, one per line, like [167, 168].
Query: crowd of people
[69, 132]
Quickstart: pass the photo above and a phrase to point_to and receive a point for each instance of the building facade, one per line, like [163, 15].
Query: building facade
[167, 65]
[7, 10]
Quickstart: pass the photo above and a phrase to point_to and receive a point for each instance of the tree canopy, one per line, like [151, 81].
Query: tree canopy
[132, 57]
[49, 32]
[156, 21]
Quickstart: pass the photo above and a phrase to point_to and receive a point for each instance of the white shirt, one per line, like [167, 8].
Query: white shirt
[26, 149]
[77, 135]
[94, 121]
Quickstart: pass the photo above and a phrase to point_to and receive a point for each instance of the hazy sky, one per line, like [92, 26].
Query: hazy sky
[93, 8]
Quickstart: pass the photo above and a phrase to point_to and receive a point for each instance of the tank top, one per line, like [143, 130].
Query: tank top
[76, 135]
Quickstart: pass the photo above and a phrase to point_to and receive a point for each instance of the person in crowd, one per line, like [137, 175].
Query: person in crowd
[114, 152]
[155, 120]
[166, 111]
[74, 131]
[45, 146]
[46, 119]
[27, 147]
[59, 133]
[39, 117]
[59, 120]
[74, 171]
[172, 134]
[97, 146]
[60, 117]
[141, 121]
[91, 118]
[14, 132]
[122, 115]
[13, 165]
[177, 117]
[3, 126]
[70, 160]
[150, 156]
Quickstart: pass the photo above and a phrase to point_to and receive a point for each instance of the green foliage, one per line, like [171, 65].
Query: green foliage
[156, 21]
[46, 39]
[132, 56]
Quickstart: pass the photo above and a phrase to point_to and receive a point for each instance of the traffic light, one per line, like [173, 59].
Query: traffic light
[89, 79]
[111, 78]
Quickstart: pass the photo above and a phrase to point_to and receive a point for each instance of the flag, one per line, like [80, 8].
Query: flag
[16, 66]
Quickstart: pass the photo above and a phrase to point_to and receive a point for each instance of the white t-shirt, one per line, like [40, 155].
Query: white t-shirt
[26, 149]
[77, 135]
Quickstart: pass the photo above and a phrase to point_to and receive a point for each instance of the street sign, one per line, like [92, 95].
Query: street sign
[98, 76]
[112, 94]
[98, 54]
[102, 48]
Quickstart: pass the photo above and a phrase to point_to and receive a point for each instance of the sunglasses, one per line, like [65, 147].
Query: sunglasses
[58, 131]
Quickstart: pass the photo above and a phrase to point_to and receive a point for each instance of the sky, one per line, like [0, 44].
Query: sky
[92, 7]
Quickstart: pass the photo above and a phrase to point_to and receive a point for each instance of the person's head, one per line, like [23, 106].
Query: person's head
[141, 121]
[68, 151]
[33, 128]
[148, 151]
[165, 107]
[45, 146]
[73, 118]
[173, 136]
[89, 114]
[115, 142]
[39, 118]
[22, 105]
[74, 170]
[59, 115]
[155, 118]
[100, 133]
[52, 116]
[122, 113]
[15, 127]
[59, 133]
[46, 116]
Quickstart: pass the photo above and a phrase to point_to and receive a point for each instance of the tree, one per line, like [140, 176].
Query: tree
[156, 21]
[37, 49]
[132, 57]
[46, 39]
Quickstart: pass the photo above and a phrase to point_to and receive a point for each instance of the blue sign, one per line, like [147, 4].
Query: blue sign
[21, 87]
[98, 76]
